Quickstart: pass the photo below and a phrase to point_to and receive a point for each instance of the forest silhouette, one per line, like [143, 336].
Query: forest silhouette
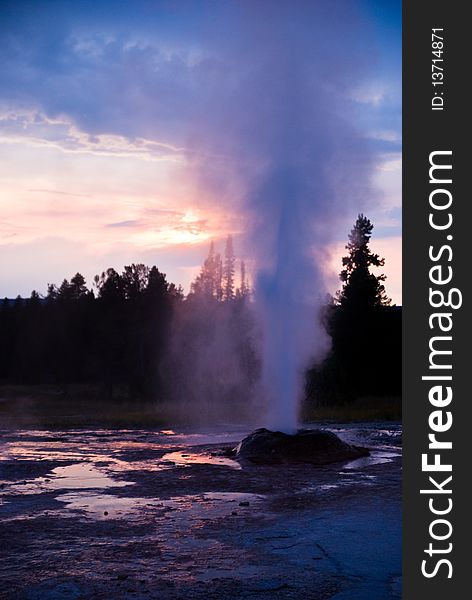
[119, 335]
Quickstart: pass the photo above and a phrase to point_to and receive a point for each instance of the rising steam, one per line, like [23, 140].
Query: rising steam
[274, 140]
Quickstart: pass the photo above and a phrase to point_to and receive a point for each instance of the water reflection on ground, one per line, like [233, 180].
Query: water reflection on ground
[191, 507]
[195, 458]
[163, 513]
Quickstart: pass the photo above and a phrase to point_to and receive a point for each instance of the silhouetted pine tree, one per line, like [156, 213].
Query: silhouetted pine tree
[115, 339]
[242, 292]
[209, 281]
[362, 289]
[365, 330]
[228, 270]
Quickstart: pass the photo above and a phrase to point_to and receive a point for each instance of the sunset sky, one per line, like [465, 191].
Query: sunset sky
[98, 105]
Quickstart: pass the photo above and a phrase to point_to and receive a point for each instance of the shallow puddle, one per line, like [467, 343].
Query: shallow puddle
[103, 506]
[82, 475]
[191, 458]
[206, 506]
[375, 458]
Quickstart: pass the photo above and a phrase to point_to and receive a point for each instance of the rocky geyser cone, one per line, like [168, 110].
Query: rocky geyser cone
[309, 446]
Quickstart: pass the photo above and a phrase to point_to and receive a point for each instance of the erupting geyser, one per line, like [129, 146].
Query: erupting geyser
[275, 140]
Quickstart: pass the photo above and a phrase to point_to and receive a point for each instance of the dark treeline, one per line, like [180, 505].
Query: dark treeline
[134, 334]
[113, 337]
[365, 356]
[120, 335]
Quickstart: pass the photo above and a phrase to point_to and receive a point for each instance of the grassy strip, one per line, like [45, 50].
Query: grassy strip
[364, 409]
[48, 407]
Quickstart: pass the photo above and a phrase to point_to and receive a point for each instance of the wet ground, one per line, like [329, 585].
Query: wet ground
[160, 515]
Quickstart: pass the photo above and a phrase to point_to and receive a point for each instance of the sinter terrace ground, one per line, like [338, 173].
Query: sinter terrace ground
[158, 515]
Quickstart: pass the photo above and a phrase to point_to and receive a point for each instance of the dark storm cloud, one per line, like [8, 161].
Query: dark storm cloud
[142, 68]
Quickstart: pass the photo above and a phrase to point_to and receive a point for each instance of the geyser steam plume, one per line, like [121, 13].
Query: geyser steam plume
[276, 141]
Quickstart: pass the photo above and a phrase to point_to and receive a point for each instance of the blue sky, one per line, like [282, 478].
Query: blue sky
[107, 108]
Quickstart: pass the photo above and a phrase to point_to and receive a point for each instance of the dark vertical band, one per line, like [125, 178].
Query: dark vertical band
[436, 118]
